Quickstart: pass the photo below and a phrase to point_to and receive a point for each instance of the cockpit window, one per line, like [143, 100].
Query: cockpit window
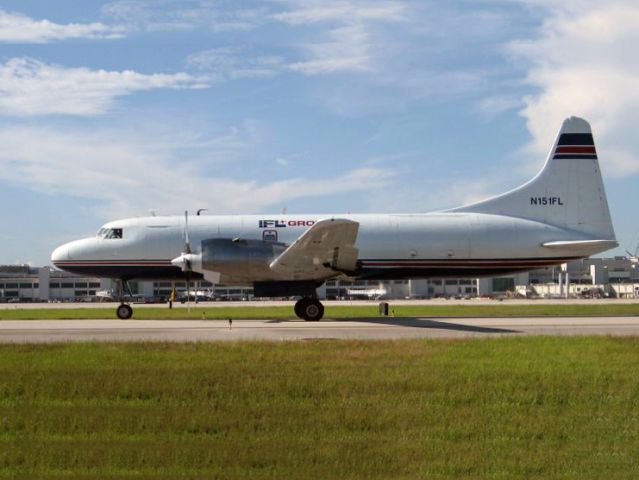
[110, 233]
[115, 233]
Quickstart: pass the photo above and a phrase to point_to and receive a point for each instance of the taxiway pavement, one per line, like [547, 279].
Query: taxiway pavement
[40, 331]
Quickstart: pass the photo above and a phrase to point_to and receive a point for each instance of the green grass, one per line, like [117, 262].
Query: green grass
[534, 407]
[162, 313]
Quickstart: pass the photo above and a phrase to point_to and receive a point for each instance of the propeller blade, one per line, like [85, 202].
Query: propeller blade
[187, 241]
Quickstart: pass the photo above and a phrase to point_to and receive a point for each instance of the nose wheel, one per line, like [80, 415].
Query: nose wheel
[124, 311]
[309, 309]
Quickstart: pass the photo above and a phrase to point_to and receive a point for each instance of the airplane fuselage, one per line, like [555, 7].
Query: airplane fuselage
[390, 245]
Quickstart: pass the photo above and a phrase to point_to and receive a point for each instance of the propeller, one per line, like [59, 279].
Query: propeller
[187, 260]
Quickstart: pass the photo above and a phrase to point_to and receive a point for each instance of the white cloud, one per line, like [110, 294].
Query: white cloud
[582, 62]
[344, 49]
[335, 35]
[347, 49]
[467, 191]
[18, 28]
[348, 44]
[496, 104]
[129, 175]
[304, 12]
[233, 62]
[176, 15]
[30, 87]
[436, 194]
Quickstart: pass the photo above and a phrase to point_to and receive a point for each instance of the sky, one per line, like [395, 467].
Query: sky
[111, 109]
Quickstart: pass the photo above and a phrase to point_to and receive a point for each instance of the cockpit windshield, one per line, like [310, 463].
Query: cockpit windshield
[110, 233]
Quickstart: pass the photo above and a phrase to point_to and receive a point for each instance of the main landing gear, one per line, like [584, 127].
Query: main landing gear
[124, 311]
[309, 309]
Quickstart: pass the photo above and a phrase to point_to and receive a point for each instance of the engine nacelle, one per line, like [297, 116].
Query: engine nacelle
[239, 259]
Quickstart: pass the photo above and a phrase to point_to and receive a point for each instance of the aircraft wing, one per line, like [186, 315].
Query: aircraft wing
[325, 248]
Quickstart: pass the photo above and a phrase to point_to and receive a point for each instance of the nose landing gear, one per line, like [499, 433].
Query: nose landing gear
[124, 311]
[309, 309]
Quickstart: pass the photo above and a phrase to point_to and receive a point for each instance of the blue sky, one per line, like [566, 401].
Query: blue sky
[111, 108]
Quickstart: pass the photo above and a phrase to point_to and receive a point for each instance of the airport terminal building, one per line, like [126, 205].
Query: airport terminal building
[25, 283]
[616, 277]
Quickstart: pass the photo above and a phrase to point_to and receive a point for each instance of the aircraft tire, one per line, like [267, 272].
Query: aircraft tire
[124, 312]
[312, 310]
[299, 308]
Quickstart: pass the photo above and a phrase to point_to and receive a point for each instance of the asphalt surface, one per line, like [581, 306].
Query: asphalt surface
[39, 331]
[343, 303]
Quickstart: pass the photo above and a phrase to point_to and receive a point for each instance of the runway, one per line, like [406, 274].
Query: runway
[41, 331]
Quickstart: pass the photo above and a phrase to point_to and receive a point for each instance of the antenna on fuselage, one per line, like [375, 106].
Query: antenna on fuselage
[201, 210]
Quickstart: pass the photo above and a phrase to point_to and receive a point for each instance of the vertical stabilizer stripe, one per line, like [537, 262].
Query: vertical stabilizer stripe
[576, 139]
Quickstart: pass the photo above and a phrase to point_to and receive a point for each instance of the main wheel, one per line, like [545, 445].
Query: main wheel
[124, 312]
[299, 307]
[312, 310]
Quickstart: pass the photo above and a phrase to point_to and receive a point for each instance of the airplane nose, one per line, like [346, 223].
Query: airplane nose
[60, 254]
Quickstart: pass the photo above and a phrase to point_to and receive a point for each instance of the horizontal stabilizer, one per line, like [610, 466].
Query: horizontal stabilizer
[581, 243]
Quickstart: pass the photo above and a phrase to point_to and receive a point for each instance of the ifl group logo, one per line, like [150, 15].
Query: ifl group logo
[285, 223]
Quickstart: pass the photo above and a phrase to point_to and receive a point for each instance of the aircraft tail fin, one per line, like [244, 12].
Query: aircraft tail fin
[568, 192]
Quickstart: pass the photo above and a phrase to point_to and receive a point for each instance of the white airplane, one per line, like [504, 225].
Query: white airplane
[560, 215]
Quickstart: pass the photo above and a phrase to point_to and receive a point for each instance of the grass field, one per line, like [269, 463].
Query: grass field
[163, 313]
[502, 408]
